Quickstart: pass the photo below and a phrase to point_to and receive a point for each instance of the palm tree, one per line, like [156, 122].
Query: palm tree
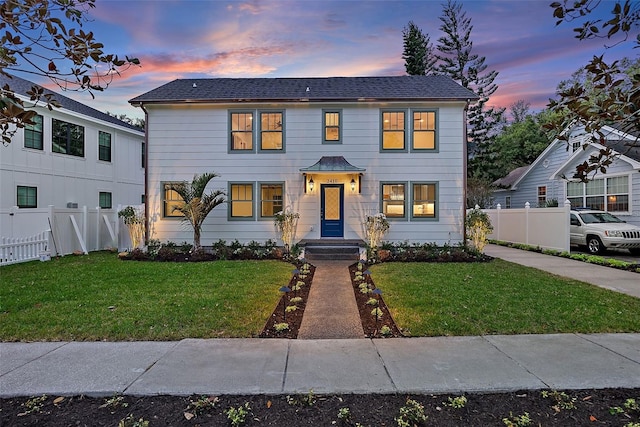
[197, 205]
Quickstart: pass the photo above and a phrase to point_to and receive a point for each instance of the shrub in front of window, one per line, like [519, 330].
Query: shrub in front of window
[375, 227]
[286, 223]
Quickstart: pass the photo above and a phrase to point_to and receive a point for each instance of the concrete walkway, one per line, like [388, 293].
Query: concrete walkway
[622, 281]
[273, 366]
[331, 311]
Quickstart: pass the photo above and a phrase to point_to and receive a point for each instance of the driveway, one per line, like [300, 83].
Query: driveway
[619, 254]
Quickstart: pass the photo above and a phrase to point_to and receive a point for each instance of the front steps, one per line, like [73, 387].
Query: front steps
[332, 249]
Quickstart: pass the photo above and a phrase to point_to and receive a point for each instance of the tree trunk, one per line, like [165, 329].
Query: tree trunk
[196, 238]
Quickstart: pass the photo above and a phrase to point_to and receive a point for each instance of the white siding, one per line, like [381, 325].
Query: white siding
[189, 139]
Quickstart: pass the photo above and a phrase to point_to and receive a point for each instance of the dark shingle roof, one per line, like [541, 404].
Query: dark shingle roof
[513, 176]
[315, 89]
[21, 86]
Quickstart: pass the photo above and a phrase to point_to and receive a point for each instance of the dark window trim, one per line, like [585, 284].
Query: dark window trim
[105, 193]
[259, 131]
[36, 135]
[28, 196]
[230, 131]
[68, 138]
[405, 217]
[169, 216]
[230, 201]
[436, 147]
[324, 125]
[382, 131]
[102, 148]
[436, 208]
[259, 190]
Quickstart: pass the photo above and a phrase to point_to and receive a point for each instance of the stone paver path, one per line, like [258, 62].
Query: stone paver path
[331, 311]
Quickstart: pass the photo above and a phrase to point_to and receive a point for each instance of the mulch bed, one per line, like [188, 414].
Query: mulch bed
[292, 318]
[592, 408]
[371, 325]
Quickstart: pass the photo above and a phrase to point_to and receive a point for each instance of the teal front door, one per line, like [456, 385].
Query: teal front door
[332, 210]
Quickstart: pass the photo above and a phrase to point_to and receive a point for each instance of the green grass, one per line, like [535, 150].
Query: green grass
[99, 297]
[436, 299]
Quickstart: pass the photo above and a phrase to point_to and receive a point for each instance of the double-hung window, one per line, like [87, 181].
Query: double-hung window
[394, 199]
[27, 197]
[424, 130]
[241, 131]
[105, 200]
[104, 146]
[271, 131]
[424, 200]
[68, 138]
[542, 196]
[393, 131]
[33, 133]
[332, 126]
[271, 199]
[241, 200]
[170, 200]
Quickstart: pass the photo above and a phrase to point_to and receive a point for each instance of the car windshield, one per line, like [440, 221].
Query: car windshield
[599, 217]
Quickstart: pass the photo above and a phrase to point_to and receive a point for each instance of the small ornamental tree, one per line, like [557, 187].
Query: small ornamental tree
[196, 205]
[286, 223]
[375, 227]
[134, 220]
[478, 228]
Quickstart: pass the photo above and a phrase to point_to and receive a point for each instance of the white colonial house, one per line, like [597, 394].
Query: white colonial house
[332, 149]
[72, 156]
[549, 177]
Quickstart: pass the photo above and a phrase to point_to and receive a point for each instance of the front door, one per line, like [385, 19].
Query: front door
[331, 210]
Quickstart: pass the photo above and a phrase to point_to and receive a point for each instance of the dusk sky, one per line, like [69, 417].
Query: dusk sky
[322, 38]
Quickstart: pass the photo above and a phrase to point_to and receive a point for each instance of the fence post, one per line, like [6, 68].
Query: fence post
[85, 218]
[117, 223]
[497, 227]
[527, 206]
[98, 221]
[54, 235]
[567, 210]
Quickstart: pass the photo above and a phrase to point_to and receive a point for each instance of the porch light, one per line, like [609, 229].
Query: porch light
[310, 184]
[353, 185]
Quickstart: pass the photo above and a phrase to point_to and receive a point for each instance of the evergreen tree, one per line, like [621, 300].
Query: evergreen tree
[418, 51]
[457, 60]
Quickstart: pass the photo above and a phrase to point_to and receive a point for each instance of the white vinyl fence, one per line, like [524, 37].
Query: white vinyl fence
[547, 228]
[59, 232]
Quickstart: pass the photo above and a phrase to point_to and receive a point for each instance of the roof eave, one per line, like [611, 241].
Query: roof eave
[293, 100]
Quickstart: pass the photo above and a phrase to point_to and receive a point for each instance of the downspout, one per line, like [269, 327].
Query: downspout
[464, 175]
[146, 174]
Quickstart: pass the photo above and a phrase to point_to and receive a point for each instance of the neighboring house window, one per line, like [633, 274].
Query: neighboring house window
[393, 130]
[332, 125]
[67, 138]
[507, 202]
[542, 196]
[33, 133]
[241, 131]
[270, 199]
[27, 197]
[424, 200]
[424, 130]
[105, 200]
[241, 201]
[393, 200]
[271, 131]
[610, 194]
[170, 200]
[104, 146]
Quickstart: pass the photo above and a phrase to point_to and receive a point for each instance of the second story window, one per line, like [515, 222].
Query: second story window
[67, 138]
[104, 146]
[241, 131]
[393, 130]
[271, 131]
[332, 126]
[33, 133]
[424, 130]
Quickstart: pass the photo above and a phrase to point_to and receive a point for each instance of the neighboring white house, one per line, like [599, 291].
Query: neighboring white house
[73, 156]
[549, 176]
[332, 149]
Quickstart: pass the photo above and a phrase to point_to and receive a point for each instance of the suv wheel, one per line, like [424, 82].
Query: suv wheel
[594, 245]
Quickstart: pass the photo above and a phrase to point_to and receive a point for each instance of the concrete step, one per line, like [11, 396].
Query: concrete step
[332, 253]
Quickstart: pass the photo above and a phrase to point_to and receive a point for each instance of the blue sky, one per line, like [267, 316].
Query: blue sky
[199, 39]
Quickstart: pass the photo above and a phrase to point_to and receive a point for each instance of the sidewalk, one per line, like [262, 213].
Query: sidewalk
[454, 365]
[262, 366]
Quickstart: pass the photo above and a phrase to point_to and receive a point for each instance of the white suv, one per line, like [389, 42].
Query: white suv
[599, 231]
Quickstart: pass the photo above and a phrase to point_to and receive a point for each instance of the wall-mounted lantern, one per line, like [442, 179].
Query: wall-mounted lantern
[353, 185]
[311, 184]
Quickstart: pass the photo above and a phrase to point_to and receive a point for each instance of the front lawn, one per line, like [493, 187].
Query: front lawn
[99, 297]
[498, 297]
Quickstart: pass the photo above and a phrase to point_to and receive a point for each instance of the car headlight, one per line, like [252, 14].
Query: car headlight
[613, 233]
